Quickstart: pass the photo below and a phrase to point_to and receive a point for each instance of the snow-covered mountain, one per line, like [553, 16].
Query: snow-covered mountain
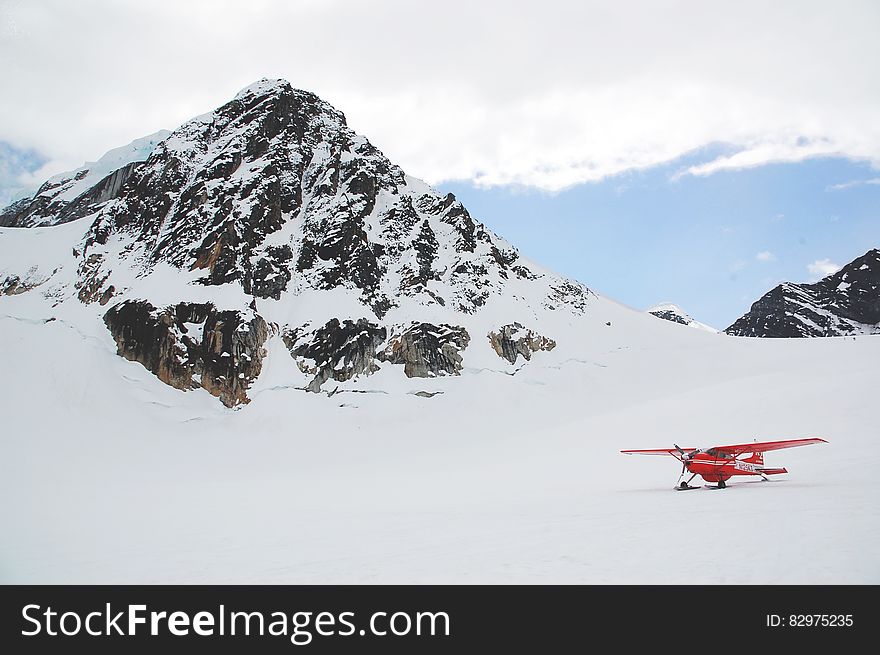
[844, 303]
[670, 312]
[270, 217]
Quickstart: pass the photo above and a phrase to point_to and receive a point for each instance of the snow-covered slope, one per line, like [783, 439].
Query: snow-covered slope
[483, 478]
[670, 312]
[844, 303]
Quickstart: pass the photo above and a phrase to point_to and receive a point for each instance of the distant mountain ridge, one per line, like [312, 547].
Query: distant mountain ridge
[68, 196]
[671, 312]
[844, 303]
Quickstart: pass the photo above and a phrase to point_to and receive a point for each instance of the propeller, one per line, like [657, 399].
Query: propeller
[684, 458]
[685, 454]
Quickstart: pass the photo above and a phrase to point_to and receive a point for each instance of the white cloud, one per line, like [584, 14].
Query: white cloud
[765, 256]
[853, 183]
[821, 268]
[544, 94]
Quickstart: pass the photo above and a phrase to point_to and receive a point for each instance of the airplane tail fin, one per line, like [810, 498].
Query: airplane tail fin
[755, 458]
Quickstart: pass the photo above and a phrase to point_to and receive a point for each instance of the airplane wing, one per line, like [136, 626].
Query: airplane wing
[657, 451]
[764, 446]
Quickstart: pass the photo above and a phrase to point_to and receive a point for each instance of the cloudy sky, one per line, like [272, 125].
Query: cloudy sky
[590, 124]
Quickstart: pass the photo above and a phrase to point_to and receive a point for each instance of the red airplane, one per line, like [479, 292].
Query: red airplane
[720, 463]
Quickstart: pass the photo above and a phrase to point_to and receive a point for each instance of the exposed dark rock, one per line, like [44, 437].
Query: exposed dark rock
[107, 295]
[675, 314]
[457, 216]
[670, 315]
[338, 351]
[10, 215]
[846, 302]
[570, 294]
[91, 279]
[426, 252]
[470, 296]
[514, 340]
[14, 285]
[417, 280]
[93, 199]
[524, 273]
[427, 350]
[342, 351]
[270, 274]
[191, 345]
[147, 335]
[397, 224]
[45, 208]
[345, 246]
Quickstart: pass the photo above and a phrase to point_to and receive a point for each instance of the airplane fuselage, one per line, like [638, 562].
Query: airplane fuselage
[720, 467]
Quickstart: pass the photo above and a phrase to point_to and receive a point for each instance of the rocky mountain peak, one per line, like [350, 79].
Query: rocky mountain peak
[217, 187]
[271, 213]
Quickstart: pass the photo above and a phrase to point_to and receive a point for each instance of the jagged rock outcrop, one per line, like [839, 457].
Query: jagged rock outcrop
[10, 215]
[338, 351]
[91, 278]
[14, 285]
[270, 273]
[427, 350]
[514, 340]
[343, 350]
[670, 315]
[47, 208]
[844, 303]
[192, 345]
[566, 293]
